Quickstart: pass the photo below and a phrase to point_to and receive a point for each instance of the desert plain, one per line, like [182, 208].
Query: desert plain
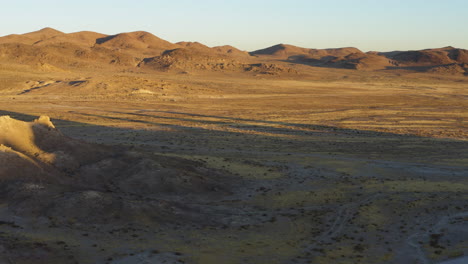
[180, 153]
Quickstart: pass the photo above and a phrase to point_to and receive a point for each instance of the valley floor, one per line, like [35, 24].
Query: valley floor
[371, 168]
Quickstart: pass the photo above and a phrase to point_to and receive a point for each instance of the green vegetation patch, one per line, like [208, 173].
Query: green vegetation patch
[246, 169]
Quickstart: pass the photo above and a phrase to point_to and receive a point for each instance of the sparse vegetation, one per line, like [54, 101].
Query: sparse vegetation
[282, 163]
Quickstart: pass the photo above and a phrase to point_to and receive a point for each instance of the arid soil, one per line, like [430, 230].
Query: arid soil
[254, 160]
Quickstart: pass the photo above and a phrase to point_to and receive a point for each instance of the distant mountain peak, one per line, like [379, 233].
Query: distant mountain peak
[49, 30]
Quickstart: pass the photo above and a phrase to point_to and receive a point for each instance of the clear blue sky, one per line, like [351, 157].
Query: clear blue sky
[249, 25]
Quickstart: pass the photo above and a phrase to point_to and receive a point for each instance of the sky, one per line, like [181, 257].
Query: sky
[380, 25]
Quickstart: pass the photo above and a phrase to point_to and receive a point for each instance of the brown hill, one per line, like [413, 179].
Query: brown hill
[55, 50]
[429, 57]
[194, 45]
[48, 36]
[224, 50]
[369, 61]
[422, 58]
[32, 37]
[230, 50]
[44, 33]
[63, 55]
[348, 58]
[459, 55]
[285, 51]
[451, 69]
[281, 51]
[137, 43]
[85, 49]
[352, 58]
[95, 50]
[18, 39]
[337, 52]
[83, 38]
[446, 60]
[356, 61]
[185, 59]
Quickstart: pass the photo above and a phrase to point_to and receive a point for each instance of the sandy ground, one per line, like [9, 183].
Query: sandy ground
[336, 167]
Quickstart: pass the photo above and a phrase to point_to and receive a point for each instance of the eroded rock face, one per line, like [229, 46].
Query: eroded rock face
[40, 147]
[13, 163]
[45, 173]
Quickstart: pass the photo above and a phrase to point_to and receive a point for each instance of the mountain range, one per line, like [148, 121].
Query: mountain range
[50, 49]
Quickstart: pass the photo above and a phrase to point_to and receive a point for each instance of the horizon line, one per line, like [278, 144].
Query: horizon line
[193, 41]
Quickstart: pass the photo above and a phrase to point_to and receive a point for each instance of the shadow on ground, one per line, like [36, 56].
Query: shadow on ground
[172, 131]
